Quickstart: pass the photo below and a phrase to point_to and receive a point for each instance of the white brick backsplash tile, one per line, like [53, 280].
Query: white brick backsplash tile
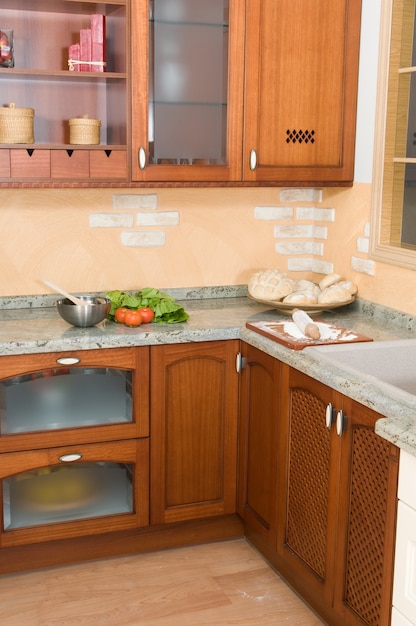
[362, 265]
[143, 239]
[111, 220]
[300, 247]
[300, 265]
[301, 195]
[363, 245]
[322, 267]
[315, 214]
[134, 201]
[273, 213]
[309, 231]
[168, 218]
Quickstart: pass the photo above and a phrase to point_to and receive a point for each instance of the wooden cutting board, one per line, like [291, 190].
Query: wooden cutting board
[287, 333]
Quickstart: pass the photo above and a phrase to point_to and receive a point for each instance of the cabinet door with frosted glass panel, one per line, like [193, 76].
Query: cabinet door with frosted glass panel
[83, 396]
[187, 69]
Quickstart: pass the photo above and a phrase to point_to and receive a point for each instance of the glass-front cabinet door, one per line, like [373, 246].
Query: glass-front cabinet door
[187, 69]
[73, 490]
[81, 397]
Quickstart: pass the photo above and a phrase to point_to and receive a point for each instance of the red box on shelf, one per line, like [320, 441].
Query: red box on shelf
[74, 57]
[85, 49]
[98, 43]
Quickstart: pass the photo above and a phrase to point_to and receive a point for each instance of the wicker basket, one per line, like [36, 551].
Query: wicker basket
[83, 130]
[16, 125]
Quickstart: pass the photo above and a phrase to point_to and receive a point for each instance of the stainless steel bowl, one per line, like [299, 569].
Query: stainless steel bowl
[92, 313]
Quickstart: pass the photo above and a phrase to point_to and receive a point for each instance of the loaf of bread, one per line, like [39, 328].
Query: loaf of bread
[270, 285]
[328, 280]
[334, 294]
[301, 297]
[275, 285]
[307, 286]
[348, 285]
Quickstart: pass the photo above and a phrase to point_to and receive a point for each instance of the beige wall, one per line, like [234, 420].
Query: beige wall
[47, 234]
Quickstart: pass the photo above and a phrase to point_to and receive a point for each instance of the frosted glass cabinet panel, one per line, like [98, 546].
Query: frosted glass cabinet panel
[65, 398]
[188, 74]
[188, 90]
[55, 494]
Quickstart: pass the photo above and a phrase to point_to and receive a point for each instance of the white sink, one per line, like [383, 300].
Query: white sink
[390, 365]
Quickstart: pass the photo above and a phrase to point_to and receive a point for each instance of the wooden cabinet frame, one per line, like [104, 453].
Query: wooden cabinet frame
[133, 451]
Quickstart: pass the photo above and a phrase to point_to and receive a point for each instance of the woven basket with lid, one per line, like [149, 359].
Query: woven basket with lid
[16, 125]
[83, 130]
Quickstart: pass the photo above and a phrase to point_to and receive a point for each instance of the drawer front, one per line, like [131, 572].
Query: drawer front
[73, 491]
[67, 398]
[30, 163]
[4, 163]
[70, 164]
[108, 164]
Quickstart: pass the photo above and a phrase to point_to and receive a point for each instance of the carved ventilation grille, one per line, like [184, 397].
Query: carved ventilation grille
[300, 136]
[308, 481]
[367, 521]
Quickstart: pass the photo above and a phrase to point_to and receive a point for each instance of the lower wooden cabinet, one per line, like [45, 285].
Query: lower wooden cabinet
[73, 491]
[336, 502]
[194, 411]
[316, 487]
[258, 445]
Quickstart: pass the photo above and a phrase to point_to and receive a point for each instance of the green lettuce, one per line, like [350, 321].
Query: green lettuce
[166, 310]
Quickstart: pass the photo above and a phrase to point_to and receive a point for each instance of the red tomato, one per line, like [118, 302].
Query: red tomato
[120, 313]
[147, 315]
[133, 318]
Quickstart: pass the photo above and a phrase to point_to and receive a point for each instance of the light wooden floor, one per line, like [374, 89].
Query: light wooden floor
[215, 584]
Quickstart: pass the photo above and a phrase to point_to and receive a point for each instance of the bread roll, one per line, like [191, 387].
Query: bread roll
[307, 286]
[349, 286]
[328, 280]
[300, 297]
[270, 285]
[334, 294]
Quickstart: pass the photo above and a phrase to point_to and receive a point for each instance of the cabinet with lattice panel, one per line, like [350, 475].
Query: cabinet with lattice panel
[336, 503]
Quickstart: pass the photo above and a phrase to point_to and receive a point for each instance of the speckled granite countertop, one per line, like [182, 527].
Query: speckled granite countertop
[31, 325]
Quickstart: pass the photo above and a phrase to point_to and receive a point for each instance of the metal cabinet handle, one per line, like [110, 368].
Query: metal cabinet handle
[253, 159]
[240, 362]
[68, 360]
[341, 423]
[70, 458]
[329, 416]
[142, 158]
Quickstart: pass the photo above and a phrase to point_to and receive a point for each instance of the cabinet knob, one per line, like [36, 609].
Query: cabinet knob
[329, 416]
[253, 159]
[70, 458]
[142, 158]
[68, 360]
[341, 423]
[240, 362]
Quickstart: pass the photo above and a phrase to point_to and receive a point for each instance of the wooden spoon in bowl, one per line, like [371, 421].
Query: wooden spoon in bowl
[64, 293]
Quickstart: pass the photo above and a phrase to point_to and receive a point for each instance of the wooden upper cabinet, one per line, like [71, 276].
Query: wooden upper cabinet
[249, 92]
[42, 80]
[187, 77]
[225, 91]
[301, 90]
